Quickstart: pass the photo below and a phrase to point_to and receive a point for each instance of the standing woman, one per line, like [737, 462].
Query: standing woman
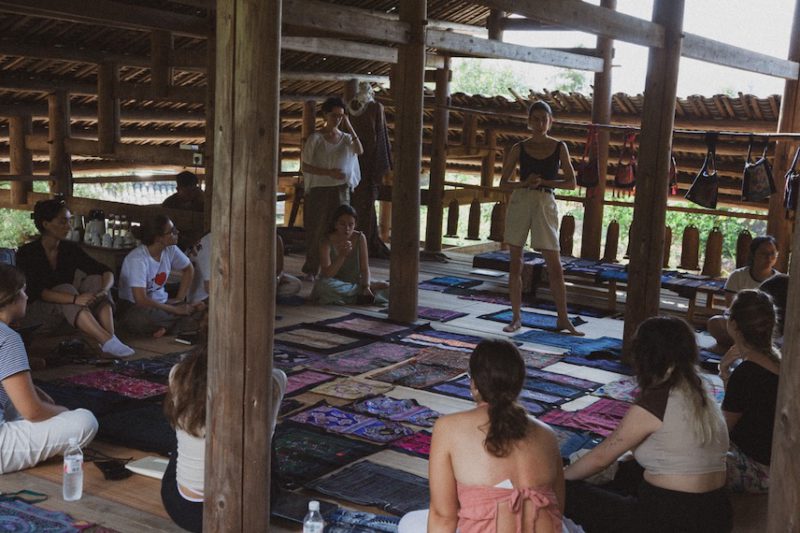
[751, 391]
[32, 427]
[330, 172]
[145, 306]
[533, 209]
[677, 434]
[50, 263]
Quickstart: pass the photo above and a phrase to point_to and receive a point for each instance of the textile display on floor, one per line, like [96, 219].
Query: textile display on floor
[347, 521]
[454, 281]
[302, 380]
[397, 410]
[579, 383]
[572, 440]
[108, 380]
[531, 319]
[435, 313]
[337, 420]
[144, 428]
[305, 453]
[460, 389]
[368, 483]
[318, 339]
[19, 516]
[427, 336]
[602, 417]
[351, 388]
[454, 359]
[290, 357]
[416, 375]
[418, 444]
[99, 402]
[366, 325]
[365, 358]
[537, 359]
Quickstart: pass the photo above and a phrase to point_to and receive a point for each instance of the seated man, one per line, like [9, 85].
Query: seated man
[189, 196]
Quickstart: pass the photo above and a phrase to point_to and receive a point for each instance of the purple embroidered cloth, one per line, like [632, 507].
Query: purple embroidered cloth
[338, 420]
[602, 417]
[366, 325]
[303, 380]
[553, 377]
[454, 359]
[398, 410]
[107, 380]
[416, 375]
[365, 358]
[418, 444]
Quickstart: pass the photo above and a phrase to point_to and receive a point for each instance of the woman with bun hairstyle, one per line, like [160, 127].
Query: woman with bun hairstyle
[145, 307]
[32, 427]
[492, 468]
[57, 295]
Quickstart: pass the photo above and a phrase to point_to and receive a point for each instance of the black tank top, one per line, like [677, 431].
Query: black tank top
[547, 168]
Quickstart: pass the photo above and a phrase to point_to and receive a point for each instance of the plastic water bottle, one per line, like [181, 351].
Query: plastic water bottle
[313, 522]
[72, 488]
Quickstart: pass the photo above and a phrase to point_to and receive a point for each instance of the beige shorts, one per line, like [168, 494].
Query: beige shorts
[534, 211]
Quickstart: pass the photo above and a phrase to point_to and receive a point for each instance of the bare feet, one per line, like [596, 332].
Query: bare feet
[160, 332]
[570, 329]
[514, 326]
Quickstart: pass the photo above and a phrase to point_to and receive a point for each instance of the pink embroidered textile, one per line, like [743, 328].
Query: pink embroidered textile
[107, 380]
[479, 506]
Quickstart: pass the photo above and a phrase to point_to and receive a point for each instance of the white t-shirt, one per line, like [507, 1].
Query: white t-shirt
[140, 270]
[320, 153]
[740, 279]
[202, 270]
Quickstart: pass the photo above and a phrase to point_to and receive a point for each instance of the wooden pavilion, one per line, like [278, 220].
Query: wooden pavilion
[229, 86]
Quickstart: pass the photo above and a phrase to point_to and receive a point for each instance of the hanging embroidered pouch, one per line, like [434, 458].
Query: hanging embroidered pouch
[625, 175]
[757, 182]
[588, 174]
[705, 187]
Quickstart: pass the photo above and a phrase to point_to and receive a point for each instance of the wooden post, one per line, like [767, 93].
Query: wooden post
[488, 161]
[441, 124]
[469, 131]
[404, 262]
[242, 314]
[495, 24]
[601, 114]
[650, 206]
[108, 129]
[58, 131]
[21, 159]
[309, 119]
[208, 147]
[788, 121]
[160, 70]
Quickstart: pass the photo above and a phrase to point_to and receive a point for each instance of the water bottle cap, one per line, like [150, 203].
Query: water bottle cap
[313, 505]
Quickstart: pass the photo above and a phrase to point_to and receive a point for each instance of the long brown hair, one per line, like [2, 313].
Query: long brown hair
[185, 404]
[498, 371]
[12, 280]
[754, 314]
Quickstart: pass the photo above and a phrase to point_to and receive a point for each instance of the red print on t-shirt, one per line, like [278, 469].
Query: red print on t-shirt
[160, 278]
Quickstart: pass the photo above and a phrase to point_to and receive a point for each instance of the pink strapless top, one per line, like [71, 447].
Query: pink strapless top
[479, 505]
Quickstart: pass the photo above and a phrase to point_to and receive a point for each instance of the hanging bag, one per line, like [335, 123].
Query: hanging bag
[589, 168]
[792, 190]
[757, 182]
[625, 175]
[705, 187]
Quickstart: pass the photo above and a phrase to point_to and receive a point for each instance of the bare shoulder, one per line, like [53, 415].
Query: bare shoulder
[543, 433]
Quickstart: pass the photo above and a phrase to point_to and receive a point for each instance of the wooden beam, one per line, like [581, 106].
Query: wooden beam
[108, 125]
[160, 71]
[340, 19]
[578, 15]
[526, 24]
[438, 164]
[332, 76]
[649, 216]
[601, 114]
[340, 48]
[107, 13]
[58, 130]
[208, 149]
[489, 160]
[477, 47]
[21, 158]
[404, 261]
[494, 24]
[134, 153]
[710, 51]
[242, 299]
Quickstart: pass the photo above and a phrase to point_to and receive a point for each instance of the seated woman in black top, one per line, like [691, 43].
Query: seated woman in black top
[50, 264]
[751, 391]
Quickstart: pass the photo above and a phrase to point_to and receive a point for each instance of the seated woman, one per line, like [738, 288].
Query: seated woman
[344, 265]
[763, 255]
[145, 307]
[677, 434]
[751, 391]
[185, 409]
[50, 264]
[492, 469]
[32, 427]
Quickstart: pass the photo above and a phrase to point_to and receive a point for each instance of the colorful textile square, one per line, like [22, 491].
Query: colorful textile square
[302, 380]
[368, 483]
[318, 339]
[624, 390]
[418, 444]
[531, 319]
[526, 394]
[338, 420]
[366, 325]
[153, 366]
[416, 375]
[289, 357]
[454, 281]
[434, 313]
[108, 380]
[578, 383]
[570, 440]
[99, 402]
[18, 516]
[458, 389]
[603, 359]
[537, 359]
[304, 453]
[346, 521]
[351, 388]
[454, 359]
[559, 340]
[428, 336]
[398, 410]
[602, 417]
[365, 358]
[555, 389]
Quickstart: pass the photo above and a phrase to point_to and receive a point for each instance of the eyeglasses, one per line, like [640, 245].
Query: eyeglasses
[172, 231]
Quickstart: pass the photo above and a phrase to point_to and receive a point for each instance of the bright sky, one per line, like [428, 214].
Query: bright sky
[762, 26]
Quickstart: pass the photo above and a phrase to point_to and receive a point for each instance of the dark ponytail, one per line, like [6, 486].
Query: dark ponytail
[498, 372]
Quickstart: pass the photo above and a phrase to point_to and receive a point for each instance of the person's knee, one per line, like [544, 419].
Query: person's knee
[84, 425]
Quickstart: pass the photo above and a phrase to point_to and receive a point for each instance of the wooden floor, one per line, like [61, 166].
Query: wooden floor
[134, 504]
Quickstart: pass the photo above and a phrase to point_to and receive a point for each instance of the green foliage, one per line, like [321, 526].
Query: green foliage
[488, 77]
[570, 81]
[16, 228]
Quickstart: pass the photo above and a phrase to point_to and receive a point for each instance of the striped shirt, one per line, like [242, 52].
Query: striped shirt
[13, 360]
